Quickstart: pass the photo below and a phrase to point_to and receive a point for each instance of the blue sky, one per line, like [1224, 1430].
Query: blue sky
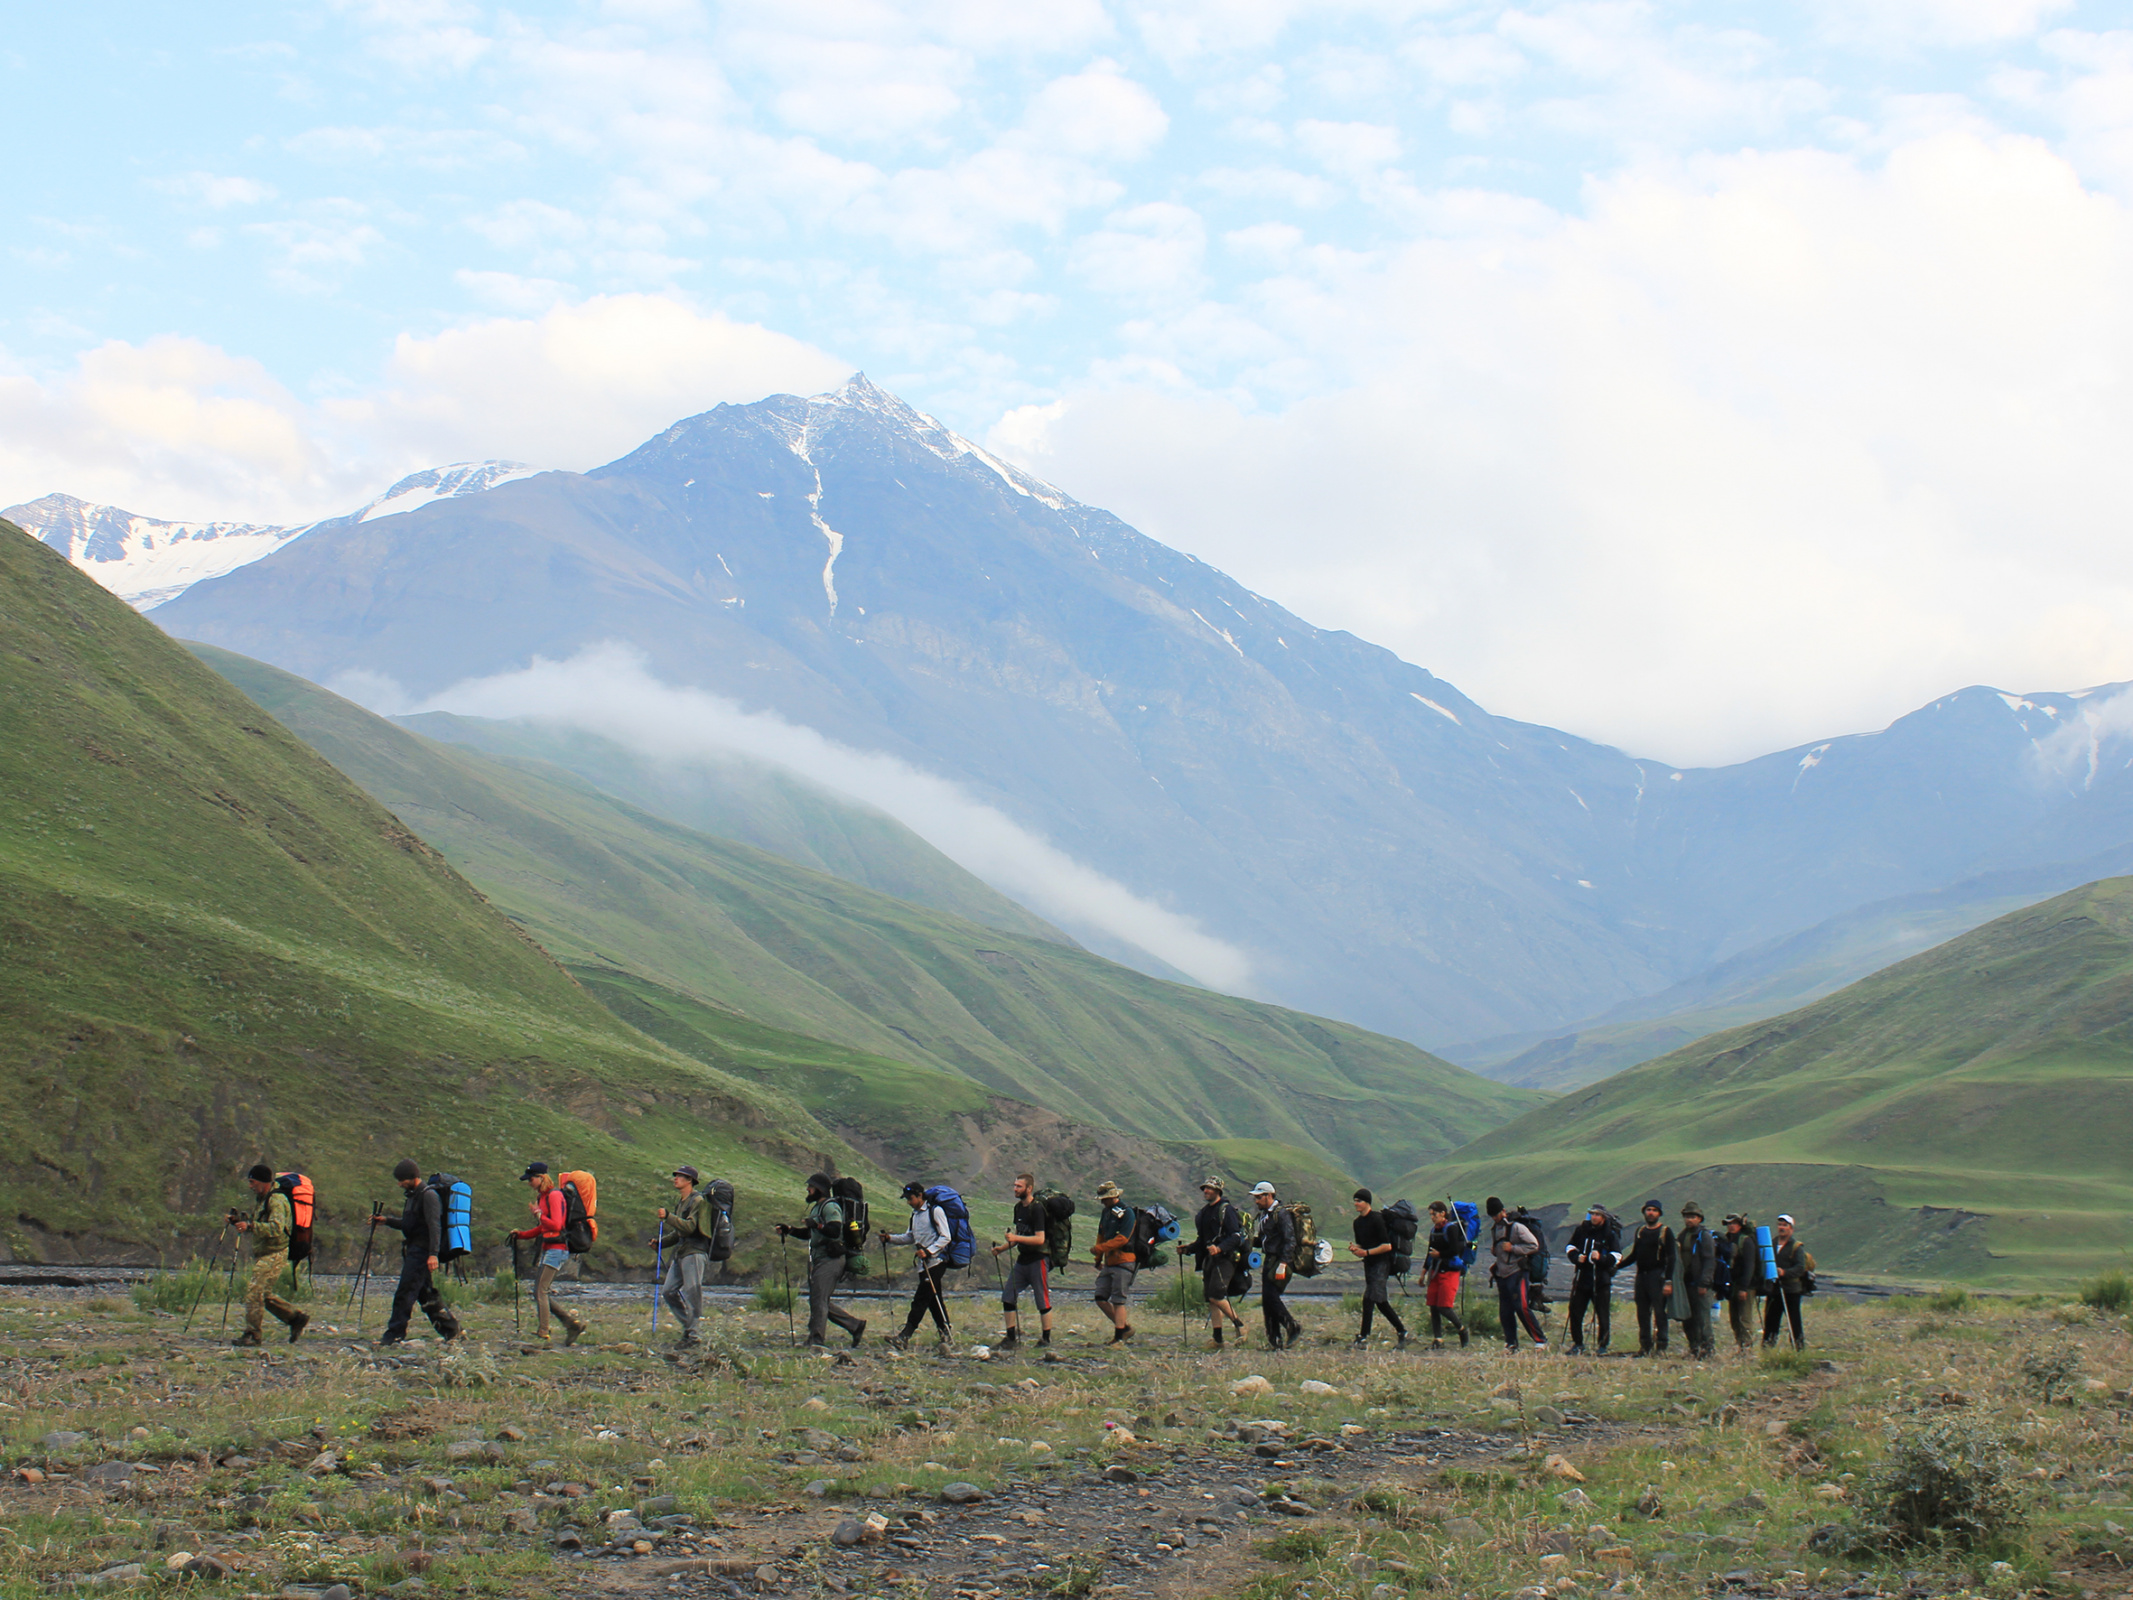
[1698, 376]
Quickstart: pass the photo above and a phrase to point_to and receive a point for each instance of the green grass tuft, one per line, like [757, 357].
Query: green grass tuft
[2109, 1291]
[773, 1297]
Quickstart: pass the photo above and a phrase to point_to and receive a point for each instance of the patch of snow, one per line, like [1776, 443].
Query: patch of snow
[2014, 702]
[444, 483]
[1440, 710]
[1222, 633]
[1580, 799]
[1673, 777]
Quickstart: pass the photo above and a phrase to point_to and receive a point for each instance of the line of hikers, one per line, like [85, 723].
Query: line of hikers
[1679, 1275]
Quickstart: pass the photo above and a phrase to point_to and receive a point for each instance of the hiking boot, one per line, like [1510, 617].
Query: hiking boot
[399, 1338]
[688, 1341]
[573, 1331]
[1295, 1333]
[1237, 1323]
[541, 1336]
[1402, 1342]
[1575, 1350]
[297, 1325]
[1462, 1338]
[1360, 1342]
[1044, 1342]
[1435, 1345]
[898, 1341]
[860, 1332]
[1008, 1340]
[246, 1341]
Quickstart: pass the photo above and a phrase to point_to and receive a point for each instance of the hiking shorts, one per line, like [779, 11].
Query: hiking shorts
[1028, 1277]
[1112, 1283]
[1444, 1290]
[1217, 1273]
[558, 1258]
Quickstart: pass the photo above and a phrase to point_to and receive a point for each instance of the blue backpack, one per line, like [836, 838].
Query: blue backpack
[455, 1200]
[962, 1240]
[1469, 1215]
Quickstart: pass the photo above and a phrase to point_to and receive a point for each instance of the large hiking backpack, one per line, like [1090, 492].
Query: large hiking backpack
[1537, 1263]
[962, 1240]
[303, 1212]
[1402, 1222]
[1768, 1250]
[1058, 1227]
[1304, 1259]
[851, 1197]
[718, 1194]
[455, 1207]
[1153, 1225]
[1469, 1215]
[581, 1211]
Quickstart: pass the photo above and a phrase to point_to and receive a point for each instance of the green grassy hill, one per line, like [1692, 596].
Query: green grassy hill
[1965, 1113]
[215, 949]
[605, 885]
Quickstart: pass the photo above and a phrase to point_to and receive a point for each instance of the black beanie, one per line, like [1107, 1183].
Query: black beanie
[261, 1173]
[407, 1169]
[819, 1180]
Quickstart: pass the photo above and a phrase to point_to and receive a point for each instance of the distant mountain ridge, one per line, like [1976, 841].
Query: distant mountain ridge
[1382, 848]
[145, 560]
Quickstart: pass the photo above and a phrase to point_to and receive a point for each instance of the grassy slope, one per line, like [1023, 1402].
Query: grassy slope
[603, 884]
[215, 949]
[1992, 1075]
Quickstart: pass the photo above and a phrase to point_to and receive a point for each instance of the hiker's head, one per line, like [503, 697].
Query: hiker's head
[1596, 1214]
[1025, 1186]
[1108, 1193]
[1263, 1196]
[536, 1173]
[914, 1195]
[261, 1178]
[407, 1175]
[1692, 1213]
[818, 1186]
[1785, 1225]
[685, 1180]
[1362, 1202]
[1439, 1210]
[1735, 1222]
[1211, 1188]
[1653, 1211]
[1494, 1207]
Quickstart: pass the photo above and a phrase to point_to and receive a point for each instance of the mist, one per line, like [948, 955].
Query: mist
[607, 690]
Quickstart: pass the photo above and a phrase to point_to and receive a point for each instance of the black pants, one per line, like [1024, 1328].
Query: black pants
[1781, 1304]
[1513, 1310]
[1377, 1274]
[927, 1298]
[417, 1288]
[1279, 1324]
[1587, 1289]
[1651, 1309]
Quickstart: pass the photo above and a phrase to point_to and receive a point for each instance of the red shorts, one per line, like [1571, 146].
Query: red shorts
[1444, 1290]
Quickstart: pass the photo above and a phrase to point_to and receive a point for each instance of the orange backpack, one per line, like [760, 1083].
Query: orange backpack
[581, 1203]
[303, 1211]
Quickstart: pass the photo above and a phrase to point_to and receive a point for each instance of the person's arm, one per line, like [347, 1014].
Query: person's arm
[432, 1225]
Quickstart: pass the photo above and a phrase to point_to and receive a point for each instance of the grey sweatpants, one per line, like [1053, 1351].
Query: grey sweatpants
[683, 1290]
[822, 1278]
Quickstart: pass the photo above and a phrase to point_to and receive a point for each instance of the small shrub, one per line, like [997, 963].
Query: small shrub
[1931, 1328]
[1176, 1294]
[1076, 1580]
[1952, 1298]
[2108, 1291]
[1948, 1484]
[2073, 1314]
[773, 1297]
[105, 1305]
[1788, 1363]
[2049, 1374]
[176, 1289]
[1300, 1544]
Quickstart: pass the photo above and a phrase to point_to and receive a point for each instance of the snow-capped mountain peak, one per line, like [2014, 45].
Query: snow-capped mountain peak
[146, 561]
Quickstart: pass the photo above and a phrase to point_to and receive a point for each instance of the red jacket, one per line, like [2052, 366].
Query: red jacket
[549, 1229]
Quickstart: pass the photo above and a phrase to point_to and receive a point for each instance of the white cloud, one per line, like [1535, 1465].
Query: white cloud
[1757, 450]
[215, 192]
[1100, 114]
[607, 690]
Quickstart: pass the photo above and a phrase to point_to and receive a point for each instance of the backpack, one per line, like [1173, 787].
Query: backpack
[1058, 1228]
[581, 1205]
[1403, 1222]
[1153, 1225]
[303, 1211]
[718, 1194]
[455, 1206]
[1469, 1215]
[851, 1197]
[962, 1240]
[1536, 1263]
[1303, 1241]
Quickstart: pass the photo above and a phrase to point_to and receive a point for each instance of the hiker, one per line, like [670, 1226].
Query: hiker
[690, 1239]
[270, 1227]
[1219, 1248]
[1696, 1251]
[824, 1232]
[1373, 1247]
[1741, 1261]
[1651, 1255]
[421, 1228]
[1443, 1272]
[1116, 1261]
[1032, 1266]
[1594, 1251]
[552, 1255]
[1276, 1242]
[1795, 1280]
[929, 1237]
[1511, 1244]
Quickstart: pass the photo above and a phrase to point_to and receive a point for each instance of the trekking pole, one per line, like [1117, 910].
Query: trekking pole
[792, 1334]
[229, 1289]
[518, 1293]
[363, 1266]
[1184, 1337]
[659, 1273]
[207, 1277]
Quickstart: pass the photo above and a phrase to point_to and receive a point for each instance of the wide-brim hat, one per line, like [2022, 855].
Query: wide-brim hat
[690, 1173]
[1108, 1190]
[1212, 1183]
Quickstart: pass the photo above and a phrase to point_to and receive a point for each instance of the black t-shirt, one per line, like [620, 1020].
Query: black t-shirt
[1370, 1230]
[1029, 1219]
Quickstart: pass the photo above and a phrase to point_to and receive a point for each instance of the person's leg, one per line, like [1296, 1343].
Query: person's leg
[1792, 1309]
[1018, 1277]
[1603, 1312]
[431, 1299]
[412, 1275]
[1773, 1312]
[693, 1267]
[542, 1280]
[820, 1276]
[1580, 1297]
[936, 1302]
[836, 1313]
[265, 1269]
[1507, 1310]
[1271, 1314]
[1043, 1265]
[1528, 1316]
[670, 1293]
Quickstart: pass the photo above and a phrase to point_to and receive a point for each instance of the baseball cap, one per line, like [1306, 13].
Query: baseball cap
[1262, 1187]
[1786, 1216]
[914, 1187]
[533, 1170]
[690, 1173]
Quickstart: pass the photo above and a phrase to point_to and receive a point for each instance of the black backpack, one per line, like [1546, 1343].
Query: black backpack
[1152, 1225]
[851, 1196]
[1058, 1227]
[1536, 1263]
[1403, 1223]
[718, 1194]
